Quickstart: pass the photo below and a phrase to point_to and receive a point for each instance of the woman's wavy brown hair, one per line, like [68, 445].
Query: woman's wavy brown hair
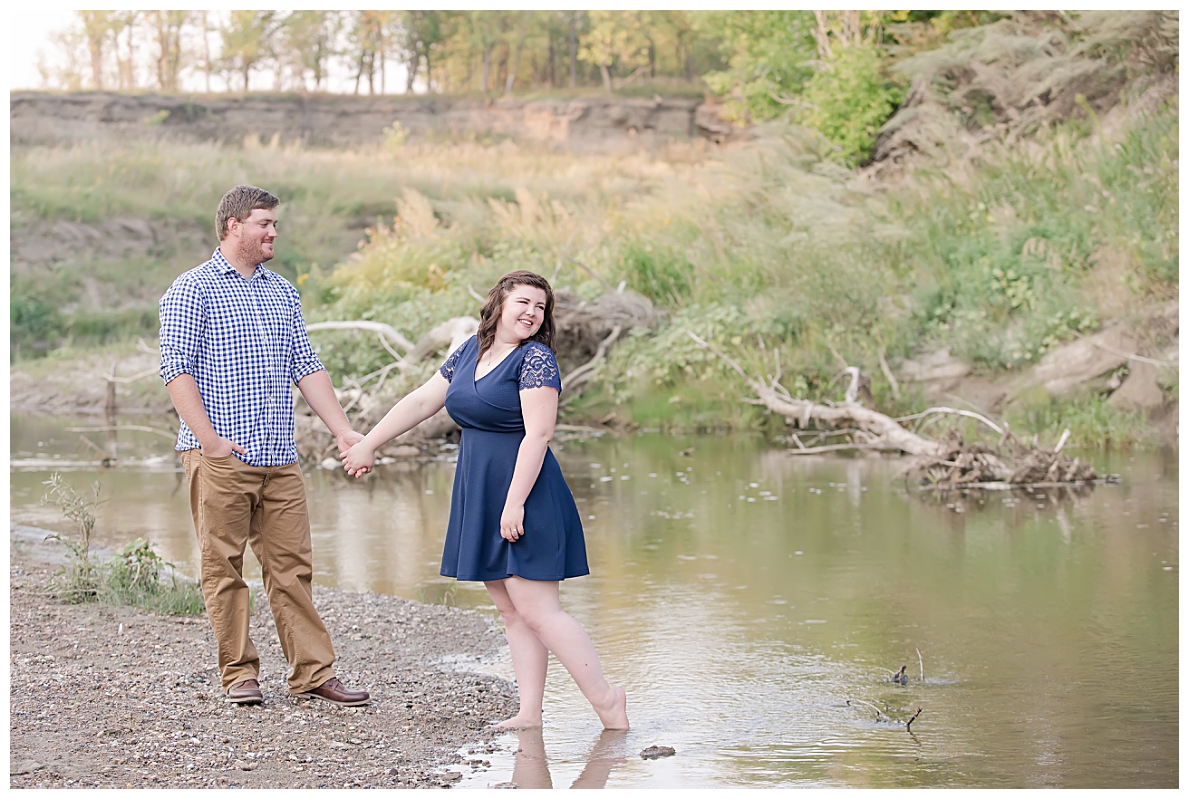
[490, 313]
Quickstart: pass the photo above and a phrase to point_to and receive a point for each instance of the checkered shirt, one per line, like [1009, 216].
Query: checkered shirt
[244, 342]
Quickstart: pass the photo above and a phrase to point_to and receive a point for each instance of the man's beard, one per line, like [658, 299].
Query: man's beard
[253, 251]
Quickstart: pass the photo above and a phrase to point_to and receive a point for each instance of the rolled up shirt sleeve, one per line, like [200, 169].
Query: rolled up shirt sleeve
[182, 312]
[305, 361]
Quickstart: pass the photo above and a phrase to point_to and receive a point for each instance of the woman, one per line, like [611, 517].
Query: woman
[513, 521]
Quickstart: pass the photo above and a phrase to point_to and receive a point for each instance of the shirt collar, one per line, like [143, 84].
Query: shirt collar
[225, 267]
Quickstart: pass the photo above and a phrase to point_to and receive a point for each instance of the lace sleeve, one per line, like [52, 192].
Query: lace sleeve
[451, 363]
[539, 368]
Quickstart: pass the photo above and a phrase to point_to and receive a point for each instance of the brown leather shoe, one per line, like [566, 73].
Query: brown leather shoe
[336, 693]
[245, 692]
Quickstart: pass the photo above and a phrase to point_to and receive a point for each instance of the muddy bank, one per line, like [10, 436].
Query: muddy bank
[117, 697]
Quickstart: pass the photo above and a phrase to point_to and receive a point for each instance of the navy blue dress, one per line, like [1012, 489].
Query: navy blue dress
[488, 411]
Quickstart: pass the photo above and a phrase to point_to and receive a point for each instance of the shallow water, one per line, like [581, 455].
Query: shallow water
[751, 603]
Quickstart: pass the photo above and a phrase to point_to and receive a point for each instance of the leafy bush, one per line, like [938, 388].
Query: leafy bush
[849, 99]
[139, 576]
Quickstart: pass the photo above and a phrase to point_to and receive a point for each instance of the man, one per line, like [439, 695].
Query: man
[233, 340]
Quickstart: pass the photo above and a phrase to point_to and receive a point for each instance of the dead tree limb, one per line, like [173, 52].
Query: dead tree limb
[110, 428]
[879, 715]
[386, 332]
[584, 372]
[844, 448]
[886, 430]
[955, 411]
[449, 335]
[592, 273]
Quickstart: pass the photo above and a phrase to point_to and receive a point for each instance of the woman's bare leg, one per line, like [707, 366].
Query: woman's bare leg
[536, 602]
[530, 660]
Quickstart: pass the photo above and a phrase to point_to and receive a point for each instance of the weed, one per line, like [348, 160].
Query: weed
[136, 576]
[139, 576]
[1092, 421]
[79, 579]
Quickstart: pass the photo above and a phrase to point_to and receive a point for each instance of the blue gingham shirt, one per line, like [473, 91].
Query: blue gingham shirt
[244, 342]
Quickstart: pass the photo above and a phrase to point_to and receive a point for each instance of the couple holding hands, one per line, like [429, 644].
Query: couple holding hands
[233, 341]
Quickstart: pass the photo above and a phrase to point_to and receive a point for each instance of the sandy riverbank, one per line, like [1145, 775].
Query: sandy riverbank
[119, 697]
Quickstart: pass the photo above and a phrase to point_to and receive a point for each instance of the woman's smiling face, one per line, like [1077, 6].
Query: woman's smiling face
[523, 312]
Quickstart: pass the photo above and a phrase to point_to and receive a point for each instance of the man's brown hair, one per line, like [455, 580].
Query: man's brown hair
[239, 204]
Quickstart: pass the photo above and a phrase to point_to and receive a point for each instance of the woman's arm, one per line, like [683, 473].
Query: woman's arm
[539, 408]
[412, 410]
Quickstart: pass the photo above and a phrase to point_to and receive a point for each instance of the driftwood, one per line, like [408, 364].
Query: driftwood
[387, 333]
[886, 433]
[950, 462]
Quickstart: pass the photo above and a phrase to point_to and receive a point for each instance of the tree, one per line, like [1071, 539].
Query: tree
[420, 33]
[124, 27]
[307, 42]
[168, 28]
[514, 60]
[769, 59]
[98, 30]
[247, 41]
[616, 38]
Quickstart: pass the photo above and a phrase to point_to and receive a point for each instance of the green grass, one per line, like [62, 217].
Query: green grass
[764, 247]
[1091, 421]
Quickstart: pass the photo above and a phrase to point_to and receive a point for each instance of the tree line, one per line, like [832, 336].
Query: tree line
[829, 70]
[440, 51]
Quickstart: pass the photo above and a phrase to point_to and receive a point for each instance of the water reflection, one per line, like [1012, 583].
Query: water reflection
[531, 765]
[743, 597]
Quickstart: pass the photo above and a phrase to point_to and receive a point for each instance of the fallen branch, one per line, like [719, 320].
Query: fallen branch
[1000, 485]
[592, 273]
[888, 432]
[1131, 355]
[386, 332]
[120, 428]
[879, 715]
[921, 660]
[138, 376]
[955, 411]
[843, 448]
[584, 372]
[908, 726]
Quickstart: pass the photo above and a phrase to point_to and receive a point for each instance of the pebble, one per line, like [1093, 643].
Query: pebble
[144, 705]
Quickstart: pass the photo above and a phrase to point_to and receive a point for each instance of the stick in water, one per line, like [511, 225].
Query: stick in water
[922, 663]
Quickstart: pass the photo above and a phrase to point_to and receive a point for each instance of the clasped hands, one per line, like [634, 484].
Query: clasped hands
[358, 457]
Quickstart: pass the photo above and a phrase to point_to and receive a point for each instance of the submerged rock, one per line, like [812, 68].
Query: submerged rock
[655, 752]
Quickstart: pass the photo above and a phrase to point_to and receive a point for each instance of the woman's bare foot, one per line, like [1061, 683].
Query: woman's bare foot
[615, 714]
[520, 721]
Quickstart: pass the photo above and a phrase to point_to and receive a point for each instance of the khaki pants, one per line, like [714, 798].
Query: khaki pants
[264, 506]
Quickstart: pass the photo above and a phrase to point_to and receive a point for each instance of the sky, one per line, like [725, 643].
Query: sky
[28, 32]
[29, 39]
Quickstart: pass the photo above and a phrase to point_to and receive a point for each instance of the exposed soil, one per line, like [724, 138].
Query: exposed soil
[582, 124]
[119, 697]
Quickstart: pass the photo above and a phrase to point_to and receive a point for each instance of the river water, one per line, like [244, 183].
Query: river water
[754, 606]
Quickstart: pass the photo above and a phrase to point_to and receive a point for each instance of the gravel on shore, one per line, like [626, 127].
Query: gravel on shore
[118, 697]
